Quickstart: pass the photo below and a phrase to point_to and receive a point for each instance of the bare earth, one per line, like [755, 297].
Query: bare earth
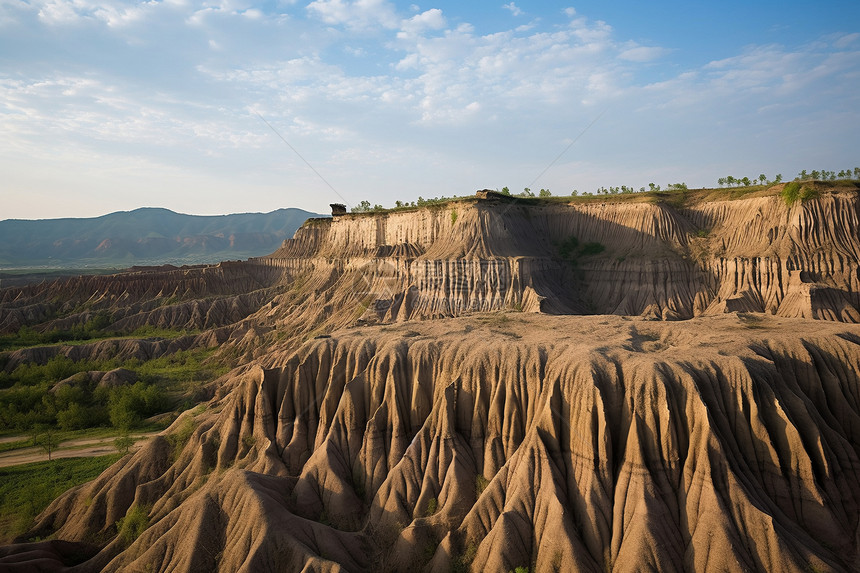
[666, 383]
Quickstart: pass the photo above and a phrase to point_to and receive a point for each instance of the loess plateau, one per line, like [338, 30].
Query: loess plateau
[656, 384]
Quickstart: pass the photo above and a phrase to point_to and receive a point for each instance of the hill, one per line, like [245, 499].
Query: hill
[668, 382]
[146, 236]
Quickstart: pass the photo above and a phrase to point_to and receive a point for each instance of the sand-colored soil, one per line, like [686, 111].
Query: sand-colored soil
[676, 390]
[506, 440]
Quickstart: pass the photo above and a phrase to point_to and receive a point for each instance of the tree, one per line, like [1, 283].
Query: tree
[361, 207]
[857, 173]
[730, 180]
[45, 438]
[778, 178]
[815, 174]
[574, 193]
[545, 193]
[721, 181]
[762, 178]
[506, 191]
[746, 181]
[527, 192]
[123, 443]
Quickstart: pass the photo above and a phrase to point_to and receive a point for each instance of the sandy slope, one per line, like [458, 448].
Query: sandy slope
[497, 441]
[357, 435]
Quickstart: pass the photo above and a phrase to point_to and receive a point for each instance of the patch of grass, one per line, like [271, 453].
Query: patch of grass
[26, 490]
[16, 445]
[149, 331]
[453, 216]
[464, 560]
[481, 484]
[180, 437]
[570, 249]
[795, 191]
[432, 506]
[135, 522]
[592, 249]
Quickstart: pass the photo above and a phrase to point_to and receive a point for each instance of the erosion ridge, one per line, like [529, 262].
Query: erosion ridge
[357, 435]
[632, 258]
[589, 443]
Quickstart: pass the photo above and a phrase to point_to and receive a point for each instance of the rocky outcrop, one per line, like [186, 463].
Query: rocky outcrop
[489, 443]
[628, 258]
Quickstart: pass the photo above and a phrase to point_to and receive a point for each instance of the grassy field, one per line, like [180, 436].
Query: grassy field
[28, 489]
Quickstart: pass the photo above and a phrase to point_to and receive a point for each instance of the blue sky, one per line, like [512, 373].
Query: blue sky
[110, 105]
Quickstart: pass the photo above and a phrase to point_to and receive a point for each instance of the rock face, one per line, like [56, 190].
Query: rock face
[633, 258]
[495, 436]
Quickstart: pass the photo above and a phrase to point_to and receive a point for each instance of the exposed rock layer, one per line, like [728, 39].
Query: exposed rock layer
[633, 258]
[730, 441]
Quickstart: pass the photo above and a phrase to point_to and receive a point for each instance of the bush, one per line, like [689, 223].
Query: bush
[592, 249]
[794, 191]
[128, 404]
[75, 417]
[135, 522]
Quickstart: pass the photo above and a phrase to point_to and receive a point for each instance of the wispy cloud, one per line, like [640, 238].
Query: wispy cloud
[513, 8]
[382, 94]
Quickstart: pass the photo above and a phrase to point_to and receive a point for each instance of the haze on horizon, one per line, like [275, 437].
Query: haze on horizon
[110, 105]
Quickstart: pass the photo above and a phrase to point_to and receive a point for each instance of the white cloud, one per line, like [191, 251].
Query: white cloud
[513, 8]
[844, 42]
[643, 53]
[359, 84]
[356, 14]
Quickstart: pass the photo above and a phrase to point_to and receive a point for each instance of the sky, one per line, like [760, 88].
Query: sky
[230, 106]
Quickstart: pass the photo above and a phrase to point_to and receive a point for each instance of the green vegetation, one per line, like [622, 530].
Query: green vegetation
[135, 522]
[432, 506]
[738, 186]
[123, 443]
[481, 484]
[453, 216]
[464, 560]
[27, 336]
[26, 490]
[28, 396]
[794, 191]
[570, 249]
[180, 437]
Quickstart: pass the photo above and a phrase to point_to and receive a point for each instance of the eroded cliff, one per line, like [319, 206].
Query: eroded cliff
[356, 434]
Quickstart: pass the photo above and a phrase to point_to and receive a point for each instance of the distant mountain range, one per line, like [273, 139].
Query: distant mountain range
[146, 236]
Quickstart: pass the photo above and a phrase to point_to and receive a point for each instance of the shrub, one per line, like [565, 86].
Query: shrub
[568, 247]
[481, 484]
[592, 249]
[135, 522]
[794, 191]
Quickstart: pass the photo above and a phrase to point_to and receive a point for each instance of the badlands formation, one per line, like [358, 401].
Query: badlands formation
[664, 382]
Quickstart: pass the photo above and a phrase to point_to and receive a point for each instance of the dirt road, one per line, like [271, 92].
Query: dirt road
[80, 448]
